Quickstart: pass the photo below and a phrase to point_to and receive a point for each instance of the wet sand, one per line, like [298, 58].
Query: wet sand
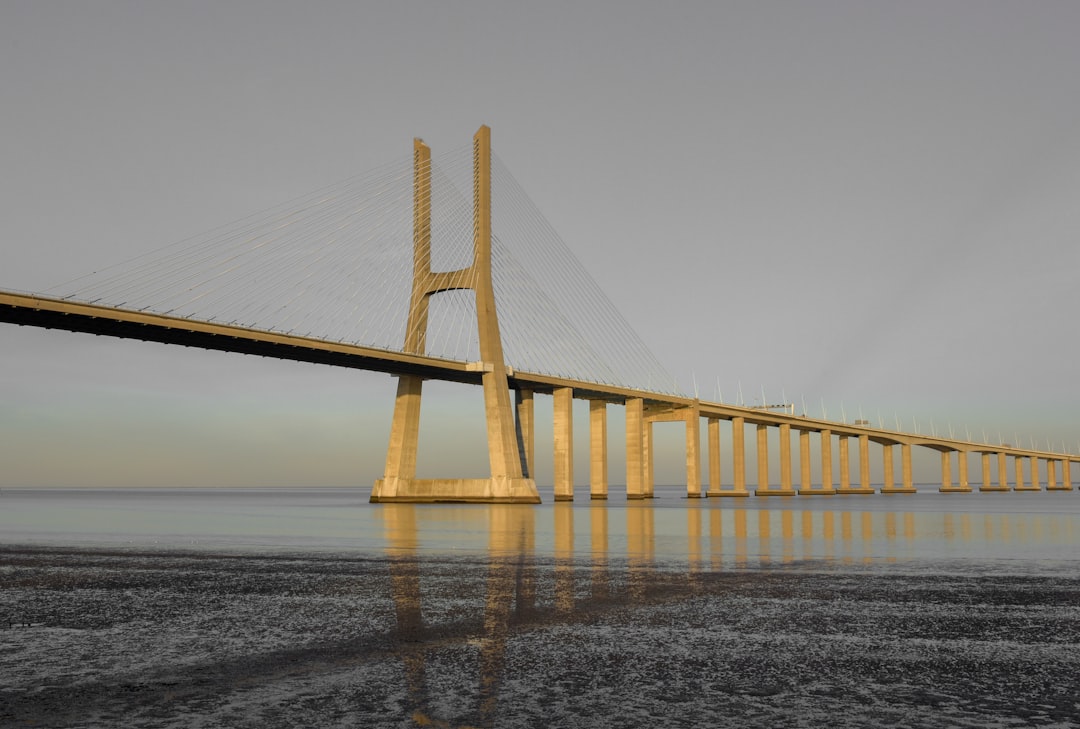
[172, 639]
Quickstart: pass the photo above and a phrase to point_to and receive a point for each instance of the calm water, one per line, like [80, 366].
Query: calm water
[922, 531]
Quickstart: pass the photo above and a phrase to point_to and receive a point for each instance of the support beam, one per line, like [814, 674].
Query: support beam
[1033, 465]
[635, 448]
[738, 459]
[988, 483]
[889, 486]
[826, 467]
[1051, 474]
[785, 458]
[845, 467]
[785, 462]
[804, 461]
[598, 456]
[1066, 475]
[947, 486]
[693, 455]
[650, 459]
[762, 459]
[1003, 472]
[563, 442]
[714, 457]
[864, 468]
[525, 409]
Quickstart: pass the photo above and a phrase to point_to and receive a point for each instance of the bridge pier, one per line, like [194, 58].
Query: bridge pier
[946, 474]
[693, 456]
[713, 430]
[1033, 465]
[598, 455]
[906, 486]
[525, 421]
[635, 448]
[738, 458]
[1051, 475]
[864, 467]
[804, 461]
[826, 488]
[845, 486]
[563, 442]
[987, 482]
[1066, 477]
[763, 462]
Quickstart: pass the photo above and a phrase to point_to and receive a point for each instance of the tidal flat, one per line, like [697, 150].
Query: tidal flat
[135, 637]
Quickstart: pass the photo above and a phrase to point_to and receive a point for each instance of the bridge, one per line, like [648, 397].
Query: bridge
[255, 286]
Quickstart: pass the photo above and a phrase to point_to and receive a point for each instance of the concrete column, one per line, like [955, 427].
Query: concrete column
[826, 463]
[693, 457]
[1003, 472]
[598, 456]
[762, 458]
[650, 460]
[526, 429]
[905, 465]
[1019, 464]
[887, 468]
[635, 447]
[404, 430]
[845, 466]
[864, 464]
[785, 458]
[985, 472]
[1051, 474]
[1066, 476]
[564, 443]
[738, 455]
[804, 460]
[946, 471]
[1033, 464]
[714, 456]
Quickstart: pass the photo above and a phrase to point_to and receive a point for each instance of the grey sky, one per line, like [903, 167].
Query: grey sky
[873, 204]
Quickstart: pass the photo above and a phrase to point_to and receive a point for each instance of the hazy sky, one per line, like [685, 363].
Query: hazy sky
[874, 204]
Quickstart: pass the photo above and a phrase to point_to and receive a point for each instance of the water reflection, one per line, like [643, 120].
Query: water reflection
[558, 566]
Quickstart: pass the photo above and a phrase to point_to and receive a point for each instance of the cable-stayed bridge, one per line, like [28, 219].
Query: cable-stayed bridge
[444, 269]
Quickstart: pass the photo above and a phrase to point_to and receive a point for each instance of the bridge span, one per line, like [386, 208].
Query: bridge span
[510, 426]
[643, 409]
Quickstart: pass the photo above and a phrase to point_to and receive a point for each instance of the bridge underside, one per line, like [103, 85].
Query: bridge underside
[222, 338]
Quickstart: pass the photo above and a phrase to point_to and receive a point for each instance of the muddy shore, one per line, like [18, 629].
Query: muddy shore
[171, 639]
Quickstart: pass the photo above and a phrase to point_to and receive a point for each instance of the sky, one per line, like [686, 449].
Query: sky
[866, 207]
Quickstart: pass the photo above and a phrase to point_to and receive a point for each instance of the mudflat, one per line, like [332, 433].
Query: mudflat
[122, 638]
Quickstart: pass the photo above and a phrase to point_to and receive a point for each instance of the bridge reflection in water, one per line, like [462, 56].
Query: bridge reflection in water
[567, 566]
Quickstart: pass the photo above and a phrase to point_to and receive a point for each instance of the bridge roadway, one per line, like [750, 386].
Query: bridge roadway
[50, 313]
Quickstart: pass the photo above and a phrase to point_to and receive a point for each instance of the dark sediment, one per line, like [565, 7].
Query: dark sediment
[168, 639]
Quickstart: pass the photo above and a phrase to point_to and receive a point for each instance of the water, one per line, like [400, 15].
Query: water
[922, 531]
[271, 608]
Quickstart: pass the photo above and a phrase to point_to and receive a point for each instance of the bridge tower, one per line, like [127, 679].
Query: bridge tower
[508, 482]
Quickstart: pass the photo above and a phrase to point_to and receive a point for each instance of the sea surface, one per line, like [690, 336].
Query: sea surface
[997, 531]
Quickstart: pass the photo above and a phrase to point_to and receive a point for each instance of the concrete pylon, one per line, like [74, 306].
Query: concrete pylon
[508, 482]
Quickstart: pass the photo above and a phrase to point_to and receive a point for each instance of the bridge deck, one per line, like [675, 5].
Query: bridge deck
[49, 313]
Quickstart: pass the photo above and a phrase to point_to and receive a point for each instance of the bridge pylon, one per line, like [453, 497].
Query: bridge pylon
[509, 481]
